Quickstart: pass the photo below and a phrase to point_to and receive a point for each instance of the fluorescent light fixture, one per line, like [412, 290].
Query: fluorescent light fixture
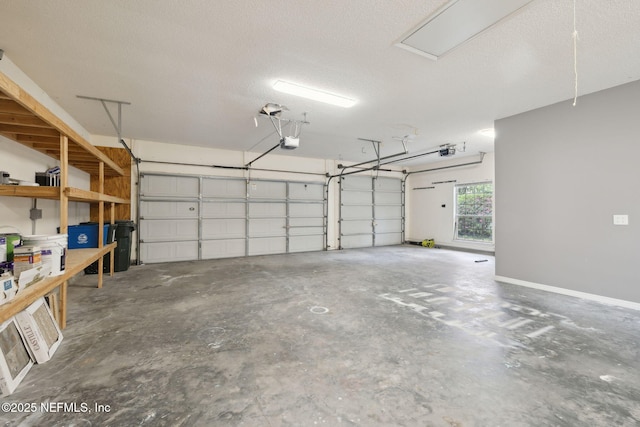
[490, 132]
[455, 23]
[314, 94]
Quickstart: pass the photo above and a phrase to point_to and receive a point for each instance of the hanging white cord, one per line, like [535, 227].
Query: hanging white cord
[575, 55]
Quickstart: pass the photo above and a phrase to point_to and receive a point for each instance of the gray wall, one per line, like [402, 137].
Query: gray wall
[562, 172]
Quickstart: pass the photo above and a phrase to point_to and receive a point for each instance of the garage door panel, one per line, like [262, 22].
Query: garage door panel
[169, 252]
[388, 212]
[356, 227]
[168, 230]
[226, 248]
[388, 198]
[223, 209]
[265, 210]
[388, 225]
[306, 210]
[301, 191]
[169, 186]
[268, 245]
[355, 183]
[267, 190]
[224, 188]
[356, 241]
[306, 243]
[267, 227]
[356, 212]
[387, 184]
[305, 231]
[223, 228]
[306, 222]
[356, 197]
[168, 209]
[388, 239]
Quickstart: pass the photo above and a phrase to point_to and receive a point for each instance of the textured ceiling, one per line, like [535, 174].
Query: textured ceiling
[197, 72]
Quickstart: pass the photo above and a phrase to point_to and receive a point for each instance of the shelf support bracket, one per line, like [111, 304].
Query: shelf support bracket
[117, 126]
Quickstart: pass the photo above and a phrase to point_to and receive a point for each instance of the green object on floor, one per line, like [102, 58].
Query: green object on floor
[428, 243]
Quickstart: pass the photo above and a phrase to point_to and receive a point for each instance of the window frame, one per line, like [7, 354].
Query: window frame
[457, 215]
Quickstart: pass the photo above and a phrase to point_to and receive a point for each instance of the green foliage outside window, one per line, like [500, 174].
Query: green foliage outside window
[474, 208]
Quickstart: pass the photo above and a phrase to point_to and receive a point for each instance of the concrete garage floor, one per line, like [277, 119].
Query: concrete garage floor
[394, 336]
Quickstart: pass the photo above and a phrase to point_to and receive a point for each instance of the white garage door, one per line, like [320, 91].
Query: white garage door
[202, 217]
[371, 211]
[169, 209]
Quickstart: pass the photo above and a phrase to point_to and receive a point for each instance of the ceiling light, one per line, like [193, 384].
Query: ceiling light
[314, 94]
[490, 132]
[455, 23]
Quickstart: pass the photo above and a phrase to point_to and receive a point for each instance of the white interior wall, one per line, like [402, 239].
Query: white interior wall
[425, 217]
[22, 163]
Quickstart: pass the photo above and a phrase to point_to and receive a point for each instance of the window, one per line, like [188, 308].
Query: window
[474, 209]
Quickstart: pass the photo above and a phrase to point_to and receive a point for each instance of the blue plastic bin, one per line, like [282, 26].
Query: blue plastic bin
[85, 236]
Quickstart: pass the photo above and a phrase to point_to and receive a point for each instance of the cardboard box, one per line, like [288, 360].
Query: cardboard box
[40, 330]
[26, 258]
[15, 359]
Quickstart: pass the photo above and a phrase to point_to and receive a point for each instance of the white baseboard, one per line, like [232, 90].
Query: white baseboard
[572, 293]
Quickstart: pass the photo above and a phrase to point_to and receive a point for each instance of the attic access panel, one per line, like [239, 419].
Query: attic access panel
[455, 23]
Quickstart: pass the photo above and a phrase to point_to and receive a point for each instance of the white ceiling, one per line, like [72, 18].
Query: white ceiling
[197, 72]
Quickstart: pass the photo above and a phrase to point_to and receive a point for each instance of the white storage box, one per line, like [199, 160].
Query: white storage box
[40, 330]
[15, 359]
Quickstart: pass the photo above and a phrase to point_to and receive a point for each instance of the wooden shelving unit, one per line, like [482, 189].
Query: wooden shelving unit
[26, 121]
[76, 261]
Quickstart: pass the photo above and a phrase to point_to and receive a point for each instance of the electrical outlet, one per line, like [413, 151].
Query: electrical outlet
[621, 220]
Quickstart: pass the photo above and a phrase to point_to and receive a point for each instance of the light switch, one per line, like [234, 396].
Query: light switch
[621, 220]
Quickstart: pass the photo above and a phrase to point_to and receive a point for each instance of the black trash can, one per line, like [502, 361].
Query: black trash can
[111, 235]
[122, 254]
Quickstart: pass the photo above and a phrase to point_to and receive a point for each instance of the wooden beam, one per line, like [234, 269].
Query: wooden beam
[100, 224]
[76, 194]
[29, 130]
[49, 141]
[22, 120]
[64, 180]
[64, 218]
[31, 104]
[10, 106]
[50, 193]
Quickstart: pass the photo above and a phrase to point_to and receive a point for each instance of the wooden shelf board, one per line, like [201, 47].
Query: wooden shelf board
[76, 194]
[53, 193]
[76, 261]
